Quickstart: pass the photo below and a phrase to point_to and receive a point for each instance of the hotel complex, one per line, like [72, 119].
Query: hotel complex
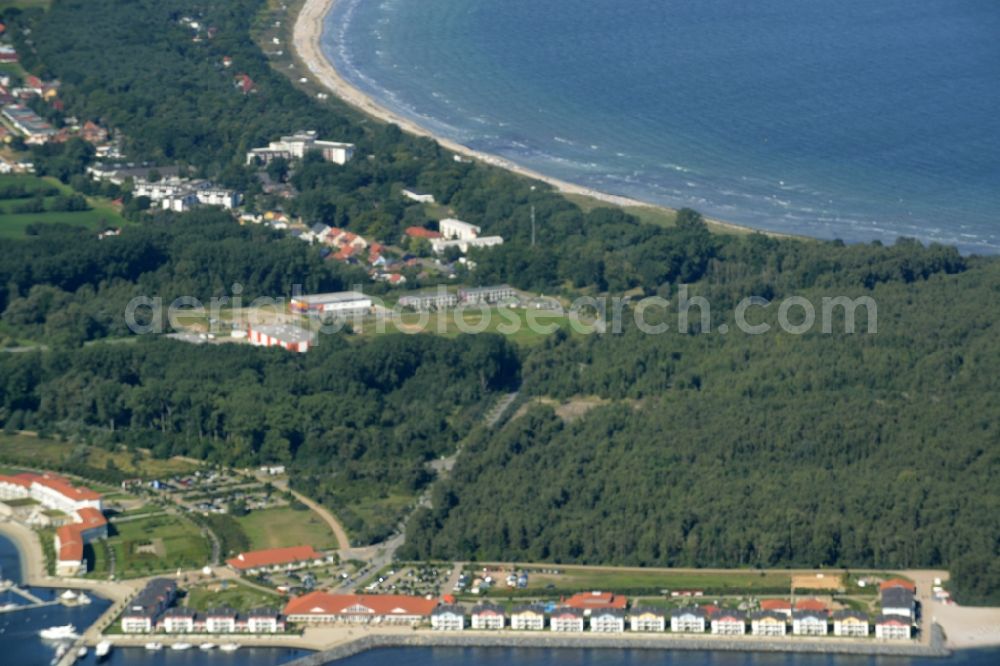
[85, 518]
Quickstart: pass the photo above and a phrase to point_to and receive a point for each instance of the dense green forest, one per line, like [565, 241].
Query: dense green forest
[356, 421]
[704, 449]
[768, 450]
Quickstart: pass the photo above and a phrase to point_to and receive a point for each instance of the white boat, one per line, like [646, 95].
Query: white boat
[206, 646]
[229, 647]
[153, 647]
[82, 652]
[181, 646]
[103, 649]
[66, 632]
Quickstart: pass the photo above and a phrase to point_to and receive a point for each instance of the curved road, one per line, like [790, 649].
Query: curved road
[343, 543]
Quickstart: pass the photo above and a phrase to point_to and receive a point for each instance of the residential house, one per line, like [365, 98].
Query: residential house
[488, 616]
[892, 627]
[768, 623]
[898, 600]
[809, 623]
[566, 619]
[850, 623]
[647, 619]
[177, 620]
[529, 617]
[141, 613]
[441, 245]
[220, 621]
[607, 621]
[448, 618]
[688, 620]
[421, 232]
[727, 622]
[264, 621]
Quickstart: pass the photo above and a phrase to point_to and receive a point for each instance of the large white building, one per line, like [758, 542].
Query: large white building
[441, 245]
[182, 194]
[82, 506]
[452, 229]
[296, 146]
[343, 303]
[286, 336]
[892, 627]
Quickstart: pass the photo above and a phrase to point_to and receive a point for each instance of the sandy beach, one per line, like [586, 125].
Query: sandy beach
[30, 550]
[306, 42]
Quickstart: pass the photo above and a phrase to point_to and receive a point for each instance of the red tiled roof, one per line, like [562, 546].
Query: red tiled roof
[322, 603]
[420, 232]
[273, 557]
[90, 518]
[65, 488]
[776, 605]
[810, 605]
[18, 480]
[587, 600]
[897, 582]
[70, 543]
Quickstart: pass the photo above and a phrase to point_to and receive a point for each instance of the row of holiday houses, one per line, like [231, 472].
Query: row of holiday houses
[153, 610]
[601, 612]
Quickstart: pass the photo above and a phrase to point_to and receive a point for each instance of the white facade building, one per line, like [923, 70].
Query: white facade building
[296, 146]
[688, 620]
[488, 617]
[220, 621]
[441, 245]
[768, 623]
[452, 229]
[448, 618]
[528, 618]
[809, 623]
[566, 620]
[892, 627]
[647, 620]
[419, 198]
[608, 621]
[850, 623]
[729, 623]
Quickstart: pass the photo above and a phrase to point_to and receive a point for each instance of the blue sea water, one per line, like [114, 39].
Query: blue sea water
[853, 119]
[20, 644]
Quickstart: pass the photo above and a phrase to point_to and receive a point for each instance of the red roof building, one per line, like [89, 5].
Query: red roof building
[421, 232]
[274, 557]
[325, 608]
[897, 582]
[777, 605]
[596, 600]
[810, 605]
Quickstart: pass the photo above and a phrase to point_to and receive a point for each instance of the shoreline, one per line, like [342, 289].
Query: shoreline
[306, 43]
[549, 641]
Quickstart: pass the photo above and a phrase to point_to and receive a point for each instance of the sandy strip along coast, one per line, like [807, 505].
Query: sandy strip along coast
[307, 42]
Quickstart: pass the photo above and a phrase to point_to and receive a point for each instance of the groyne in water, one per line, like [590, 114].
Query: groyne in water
[617, 642]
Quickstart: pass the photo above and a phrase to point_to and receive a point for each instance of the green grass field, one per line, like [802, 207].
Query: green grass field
[42, 453]
[737, 582]
[277, 528]
[231, 594]
[14, 225]
[158, 544]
